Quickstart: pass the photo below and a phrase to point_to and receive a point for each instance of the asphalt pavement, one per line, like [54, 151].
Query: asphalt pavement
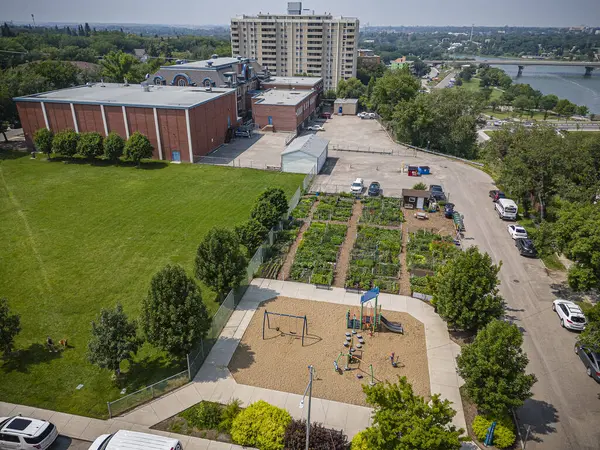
[66, 443]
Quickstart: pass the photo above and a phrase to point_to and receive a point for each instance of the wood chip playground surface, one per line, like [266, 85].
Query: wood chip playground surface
[280, 362]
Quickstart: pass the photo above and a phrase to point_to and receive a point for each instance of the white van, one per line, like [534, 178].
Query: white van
[132, 440]
[507, 209]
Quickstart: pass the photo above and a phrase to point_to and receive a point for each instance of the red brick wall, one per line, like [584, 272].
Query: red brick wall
[173, 133]
[32, 119]
[285, 118]
[60, 116]
[89, 118]
[208, 123]
[142, 120]
[114, 120]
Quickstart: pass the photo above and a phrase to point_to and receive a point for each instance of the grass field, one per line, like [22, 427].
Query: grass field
[77, 237]
[473, 85]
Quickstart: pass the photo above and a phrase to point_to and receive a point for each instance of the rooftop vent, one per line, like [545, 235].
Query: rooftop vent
[209, 63]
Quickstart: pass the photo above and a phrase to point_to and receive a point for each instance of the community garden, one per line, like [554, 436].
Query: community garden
[83, 236]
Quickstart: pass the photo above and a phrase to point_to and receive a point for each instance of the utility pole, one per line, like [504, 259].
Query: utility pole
[309, 390]
[33, 18]
[472, 26]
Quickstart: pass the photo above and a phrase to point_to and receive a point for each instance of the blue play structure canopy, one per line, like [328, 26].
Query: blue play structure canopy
[369, 295]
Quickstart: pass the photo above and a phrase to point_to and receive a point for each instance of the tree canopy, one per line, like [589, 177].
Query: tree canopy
[392, 88]
[10, 326]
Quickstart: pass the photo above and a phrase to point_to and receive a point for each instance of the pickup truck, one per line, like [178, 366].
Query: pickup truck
[495, 195]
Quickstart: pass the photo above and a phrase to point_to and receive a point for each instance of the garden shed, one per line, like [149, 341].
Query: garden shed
[415, 198]
[346, 106]
[305, 153]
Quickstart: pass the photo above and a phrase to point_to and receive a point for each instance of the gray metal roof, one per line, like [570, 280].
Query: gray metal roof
[282, 97]
[299, 81]
[130, 95]
[310, 144]
[205, 64]
[346, 100]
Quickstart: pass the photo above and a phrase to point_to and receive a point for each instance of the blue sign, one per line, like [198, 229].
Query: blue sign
[176, 156]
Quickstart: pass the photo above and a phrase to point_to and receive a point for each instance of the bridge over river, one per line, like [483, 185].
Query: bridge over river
[521, 63]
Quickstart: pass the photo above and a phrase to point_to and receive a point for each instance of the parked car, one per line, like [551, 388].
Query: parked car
[591, 361]
[496, 195]
[525, 247]
[326, 115]
[570, 314]
[497, 123]
[23, 433]
[448, 210]
[357, 186]
[134, 440]
[517, 231]
[243, 133]
[374, 189]
[316, 128]
[436, 188]
[367, 115]
[437, 196]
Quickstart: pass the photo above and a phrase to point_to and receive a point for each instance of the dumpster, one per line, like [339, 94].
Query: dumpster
[423, 170]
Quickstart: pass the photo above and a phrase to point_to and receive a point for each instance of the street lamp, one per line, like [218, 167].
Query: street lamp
[311, 371]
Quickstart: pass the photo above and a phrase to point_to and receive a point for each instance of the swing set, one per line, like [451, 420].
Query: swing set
[291, 331]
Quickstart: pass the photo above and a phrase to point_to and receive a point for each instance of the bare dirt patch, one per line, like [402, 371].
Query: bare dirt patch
[280, 362]
[436, 223]
[341, 267]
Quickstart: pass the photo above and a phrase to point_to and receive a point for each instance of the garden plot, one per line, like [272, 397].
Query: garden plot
[302, 210]
[425, 253]
[382, 211]
[375, 259]
[334, 207]
[317, 253]
[276, 253]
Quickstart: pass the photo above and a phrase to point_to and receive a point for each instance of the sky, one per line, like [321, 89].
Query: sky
[374, 12]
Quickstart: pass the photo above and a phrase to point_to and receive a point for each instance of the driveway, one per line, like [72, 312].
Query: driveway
[66, 443]
[565, 410]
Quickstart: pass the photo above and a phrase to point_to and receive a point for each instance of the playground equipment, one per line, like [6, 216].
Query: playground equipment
[369, 314]
[351, 358]
[290, 317]
[395, 327]
[394, 360]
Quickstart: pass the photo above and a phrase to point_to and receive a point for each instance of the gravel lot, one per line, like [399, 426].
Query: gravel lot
[280, 362]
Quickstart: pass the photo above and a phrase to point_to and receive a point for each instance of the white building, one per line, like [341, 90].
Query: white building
[304, 154]
[287, 44]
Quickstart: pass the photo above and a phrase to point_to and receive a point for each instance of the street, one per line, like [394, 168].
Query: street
[64, 443]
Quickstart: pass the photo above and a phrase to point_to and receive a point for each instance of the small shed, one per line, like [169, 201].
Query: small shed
[304, 153]
[415, 198]
[345, 106]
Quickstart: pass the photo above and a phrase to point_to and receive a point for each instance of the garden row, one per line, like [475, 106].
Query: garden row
[382, 211]
[375, 259]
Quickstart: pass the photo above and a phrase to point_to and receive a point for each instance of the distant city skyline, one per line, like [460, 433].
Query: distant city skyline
[542, 13]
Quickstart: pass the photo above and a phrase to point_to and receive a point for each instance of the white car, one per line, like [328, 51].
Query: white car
[517, 232]
[316, 128]
[357, 186]
[570, 314]
[23, 433]
[498, 123]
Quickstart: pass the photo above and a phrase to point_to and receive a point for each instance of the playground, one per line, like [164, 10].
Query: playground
[271, 354]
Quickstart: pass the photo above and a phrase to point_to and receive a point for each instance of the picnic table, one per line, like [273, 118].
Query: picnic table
[421, 216]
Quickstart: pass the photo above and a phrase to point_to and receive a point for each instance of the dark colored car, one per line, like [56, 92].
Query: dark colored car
[495, 195]
[591, 361]
[436, 188]
[326, 115]
[448, 210]
[525, 247]
[438, 196]
[374, 188]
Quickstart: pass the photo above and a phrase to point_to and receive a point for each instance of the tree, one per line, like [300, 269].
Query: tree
[330, 94]
[493, 368]
[251, 234]
[277, 198]
[43, 141]
[269, 207]
[350, 88]
[65, 143]
[90, 144]
[523, 103]
[465, 290]
[591, 336]
[405, 421]
[113, 146]
[548, 103]
[419, 68]
[420, 186]
[564, 107]
[393, 87]
[113, 340]
[118, 66]
[174, 317]
[137, 147]
[220, 263]
[582, 110]
[10, 326]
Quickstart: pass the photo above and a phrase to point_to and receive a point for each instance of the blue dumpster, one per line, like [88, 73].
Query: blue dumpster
[423, 170]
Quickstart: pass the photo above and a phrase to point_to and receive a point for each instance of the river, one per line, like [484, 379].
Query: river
[564, 82]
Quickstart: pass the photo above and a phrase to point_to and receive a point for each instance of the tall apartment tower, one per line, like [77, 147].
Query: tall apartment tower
[295, 43]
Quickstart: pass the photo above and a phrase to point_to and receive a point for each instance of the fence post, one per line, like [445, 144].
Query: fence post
[109, 411]
[152, 390]
[187, 357]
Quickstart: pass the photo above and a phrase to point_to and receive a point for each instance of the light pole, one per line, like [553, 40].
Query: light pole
[308, 389]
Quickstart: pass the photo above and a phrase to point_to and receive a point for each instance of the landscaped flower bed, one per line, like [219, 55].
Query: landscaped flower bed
[427, 250]
[375, 259]
[334, 207]
[276, 253]
[382, 211]
[317, 253]
[303, 208]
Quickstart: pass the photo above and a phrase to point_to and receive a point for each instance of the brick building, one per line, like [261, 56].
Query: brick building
[290, 83]
[182, 123]
[283, 109]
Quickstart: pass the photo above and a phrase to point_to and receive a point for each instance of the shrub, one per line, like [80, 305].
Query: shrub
[420, 186]
[137, 147]
[43, 140]
[261, 425]
[228, 414]
[113, 146]
[504, 435]
[321, 438]
[90, 144]
[359, 441]
[65, 143]
[204, 415]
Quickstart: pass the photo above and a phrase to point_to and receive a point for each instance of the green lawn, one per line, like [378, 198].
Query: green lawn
[77, 237]
[473, 85]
